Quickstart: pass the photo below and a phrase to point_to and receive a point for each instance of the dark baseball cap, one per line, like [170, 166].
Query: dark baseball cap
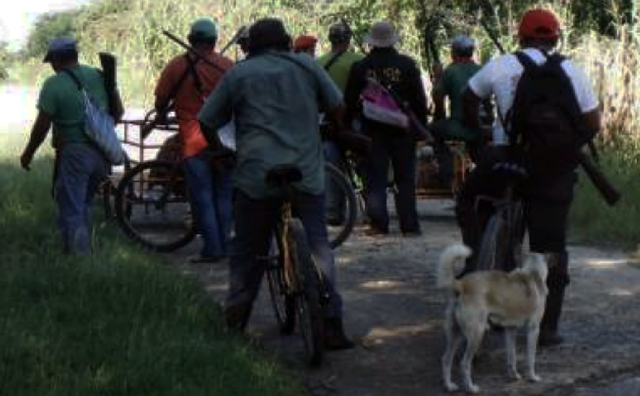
[60, 45]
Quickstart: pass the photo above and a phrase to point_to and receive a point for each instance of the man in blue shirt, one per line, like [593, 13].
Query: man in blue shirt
[273, 98]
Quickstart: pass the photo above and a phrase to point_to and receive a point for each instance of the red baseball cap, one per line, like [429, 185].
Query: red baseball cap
[304, 42]
[539, 24]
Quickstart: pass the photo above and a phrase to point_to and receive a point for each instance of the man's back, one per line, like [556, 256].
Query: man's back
[500, 77]
[274, 101]
[189, 96]
[61, 99]
[395, 71]
[453, 82]
[189, 91]
[339, 70]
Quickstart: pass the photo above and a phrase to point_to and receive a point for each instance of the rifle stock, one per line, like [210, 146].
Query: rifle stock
[108, 63]
[599, 180]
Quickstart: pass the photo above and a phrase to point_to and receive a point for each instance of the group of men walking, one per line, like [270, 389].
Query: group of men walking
[274, 98]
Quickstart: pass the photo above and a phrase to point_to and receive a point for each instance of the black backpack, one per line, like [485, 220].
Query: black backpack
[545, 124]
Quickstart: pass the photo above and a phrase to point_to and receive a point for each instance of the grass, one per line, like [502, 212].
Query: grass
[116, 323]
[592, 220]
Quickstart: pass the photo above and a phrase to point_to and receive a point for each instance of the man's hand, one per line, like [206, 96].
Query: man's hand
[38, 134]
[25, 160]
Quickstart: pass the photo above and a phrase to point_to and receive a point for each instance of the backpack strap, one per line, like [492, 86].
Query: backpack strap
[526, 62]
[191, 67]
[333, 60]
[75, 78]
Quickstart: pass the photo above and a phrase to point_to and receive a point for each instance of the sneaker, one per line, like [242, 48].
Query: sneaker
[204, 259]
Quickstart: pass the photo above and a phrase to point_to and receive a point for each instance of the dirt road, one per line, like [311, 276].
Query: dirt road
[395, 314]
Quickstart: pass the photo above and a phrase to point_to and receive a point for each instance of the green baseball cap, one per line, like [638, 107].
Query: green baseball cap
[204, 29]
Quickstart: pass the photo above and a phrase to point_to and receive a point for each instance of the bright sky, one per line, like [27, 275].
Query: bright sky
[16, 19]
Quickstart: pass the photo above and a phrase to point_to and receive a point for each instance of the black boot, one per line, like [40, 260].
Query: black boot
[334, 337]
[556, 282]
[237, 316]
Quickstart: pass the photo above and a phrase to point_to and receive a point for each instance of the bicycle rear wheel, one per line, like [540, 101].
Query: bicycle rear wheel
[307, 297]
[282, 299]
[152, 208]
[344, 202]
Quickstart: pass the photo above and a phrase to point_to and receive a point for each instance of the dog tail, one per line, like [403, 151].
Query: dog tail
[452, 254]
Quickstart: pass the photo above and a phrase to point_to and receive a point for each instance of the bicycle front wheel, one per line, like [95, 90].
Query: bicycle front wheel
[307, 297]
[151, 206]
[493, 248]
[501, 246]
[341, 206]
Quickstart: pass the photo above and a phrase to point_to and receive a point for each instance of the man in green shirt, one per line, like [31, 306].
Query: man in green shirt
[273, 98]
[79, 166]
[339, 60]
[338, 64]
[451, 85]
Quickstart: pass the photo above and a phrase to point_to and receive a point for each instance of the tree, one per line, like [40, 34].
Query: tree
[48, 26]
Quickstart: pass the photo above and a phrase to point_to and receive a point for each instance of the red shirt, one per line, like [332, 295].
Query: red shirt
[188, 100]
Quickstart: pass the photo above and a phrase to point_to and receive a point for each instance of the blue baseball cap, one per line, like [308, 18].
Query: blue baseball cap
[60, 45]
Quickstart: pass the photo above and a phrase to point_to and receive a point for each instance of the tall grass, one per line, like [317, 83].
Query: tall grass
[116, 323]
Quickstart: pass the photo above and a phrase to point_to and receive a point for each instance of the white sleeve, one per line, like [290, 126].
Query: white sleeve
[585, 94]
[482, 82]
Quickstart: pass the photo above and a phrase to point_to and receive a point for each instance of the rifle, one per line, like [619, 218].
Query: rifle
[357, 39]
[234, 39]
[192, 51]
[607, 190]
[109, 67]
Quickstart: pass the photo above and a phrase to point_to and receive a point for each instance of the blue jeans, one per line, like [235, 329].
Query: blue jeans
[210, 198]
[255, 222]
[400, 151]
[80, 169]
[334, 196]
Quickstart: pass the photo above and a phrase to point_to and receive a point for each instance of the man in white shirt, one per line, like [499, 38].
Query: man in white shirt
[547, 195]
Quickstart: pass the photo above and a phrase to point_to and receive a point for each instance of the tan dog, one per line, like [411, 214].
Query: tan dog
[512, 300]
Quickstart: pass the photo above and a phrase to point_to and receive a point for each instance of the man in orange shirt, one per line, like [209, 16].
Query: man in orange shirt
[187, 81]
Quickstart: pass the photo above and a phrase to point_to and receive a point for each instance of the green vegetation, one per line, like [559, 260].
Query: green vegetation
[117, 323]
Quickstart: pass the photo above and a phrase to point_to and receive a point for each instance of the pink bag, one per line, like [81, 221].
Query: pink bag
[378, 105]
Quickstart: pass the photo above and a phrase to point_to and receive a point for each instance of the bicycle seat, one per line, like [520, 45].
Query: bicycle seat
[283, 175]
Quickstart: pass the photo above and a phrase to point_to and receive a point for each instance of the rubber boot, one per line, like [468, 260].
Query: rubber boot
[557, 281]
[334, 337]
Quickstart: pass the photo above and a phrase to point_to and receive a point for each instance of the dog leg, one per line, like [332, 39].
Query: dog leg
[473, 332]
[510, 349]
[454, 338]
[533, 330]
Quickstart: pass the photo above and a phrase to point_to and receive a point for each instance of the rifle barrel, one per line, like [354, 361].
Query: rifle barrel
[192, 51]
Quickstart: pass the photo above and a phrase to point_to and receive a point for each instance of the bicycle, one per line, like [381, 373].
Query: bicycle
[151, 202]
[296, 285]
[501, 244]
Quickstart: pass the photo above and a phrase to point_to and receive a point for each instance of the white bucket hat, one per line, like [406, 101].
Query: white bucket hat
[382, 35]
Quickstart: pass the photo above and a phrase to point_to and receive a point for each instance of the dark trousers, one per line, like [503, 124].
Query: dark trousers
[547, 200]
[400, 152]
[255, 222]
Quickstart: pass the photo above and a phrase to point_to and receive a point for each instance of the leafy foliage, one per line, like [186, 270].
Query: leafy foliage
[48, 26]
[6, 60]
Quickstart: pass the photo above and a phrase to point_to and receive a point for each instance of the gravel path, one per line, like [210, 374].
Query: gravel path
[395, 314]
